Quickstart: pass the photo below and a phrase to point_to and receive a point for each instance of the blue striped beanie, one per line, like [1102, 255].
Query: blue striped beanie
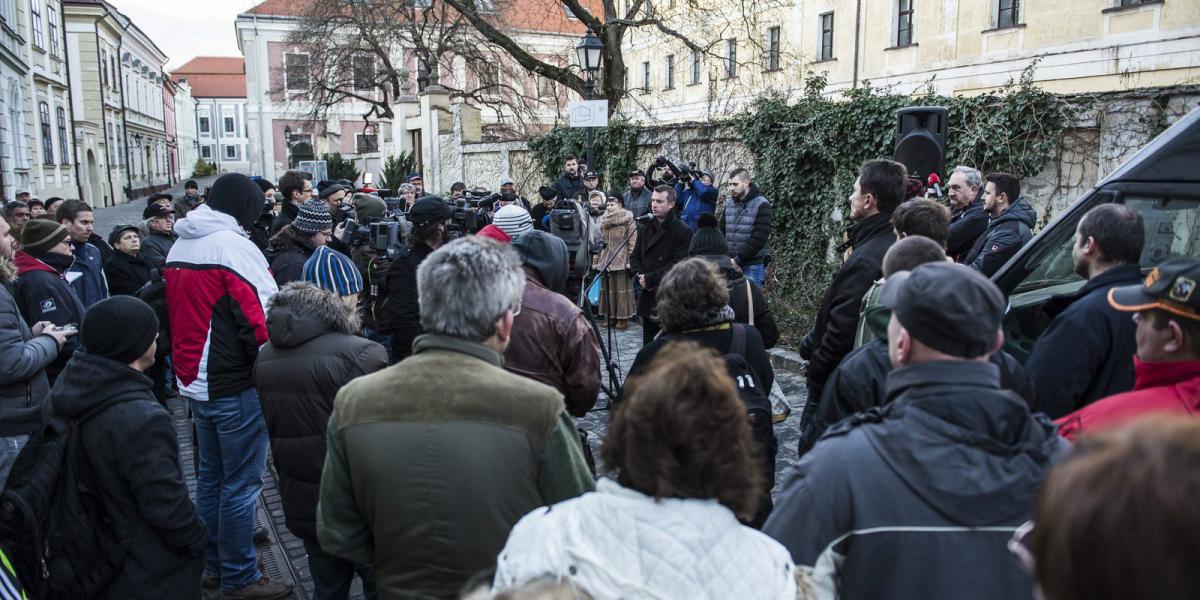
[331, 270]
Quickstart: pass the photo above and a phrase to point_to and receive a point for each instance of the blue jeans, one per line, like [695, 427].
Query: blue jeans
[232, 438]
[333, 575]
[756, 273]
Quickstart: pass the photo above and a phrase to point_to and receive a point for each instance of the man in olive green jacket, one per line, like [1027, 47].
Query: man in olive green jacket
[432, 461]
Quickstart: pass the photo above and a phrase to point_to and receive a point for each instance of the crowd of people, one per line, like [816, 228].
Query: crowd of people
[420, 400]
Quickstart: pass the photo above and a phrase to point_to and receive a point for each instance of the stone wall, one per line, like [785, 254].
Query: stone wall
[1112, 129]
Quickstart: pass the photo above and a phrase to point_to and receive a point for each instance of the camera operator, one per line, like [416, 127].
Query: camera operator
[458, 190]
[373, 264]
[549, 196]
[570, 184]
[569, 220]
[508, 186]
[430, 218]
[334, 195]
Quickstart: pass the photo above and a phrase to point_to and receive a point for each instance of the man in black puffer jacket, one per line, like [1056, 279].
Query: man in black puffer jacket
[1010, 227]
[132, 449]
[879, 189]
[313, 351]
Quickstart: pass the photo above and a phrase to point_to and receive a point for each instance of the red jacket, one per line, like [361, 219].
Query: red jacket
[1172, 387]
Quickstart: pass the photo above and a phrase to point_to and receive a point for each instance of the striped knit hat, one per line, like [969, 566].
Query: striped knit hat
[331, 270]
[513, 220]
[314, 217]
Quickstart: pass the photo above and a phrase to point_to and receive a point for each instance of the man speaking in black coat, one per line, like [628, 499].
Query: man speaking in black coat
[663, 242]
[879, 189]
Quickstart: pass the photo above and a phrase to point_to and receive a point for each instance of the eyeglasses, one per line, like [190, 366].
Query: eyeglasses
[307, 190]
[1019, 546]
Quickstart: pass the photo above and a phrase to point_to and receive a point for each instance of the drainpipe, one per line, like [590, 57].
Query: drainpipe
[857, 34]
[70, 100]
[262, 140]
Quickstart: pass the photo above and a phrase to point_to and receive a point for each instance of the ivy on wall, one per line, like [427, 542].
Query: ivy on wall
[614, 150]
[808, 153]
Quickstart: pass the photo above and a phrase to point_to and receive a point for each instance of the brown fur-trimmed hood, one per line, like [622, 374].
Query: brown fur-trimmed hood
[8, 271]
[301, 311]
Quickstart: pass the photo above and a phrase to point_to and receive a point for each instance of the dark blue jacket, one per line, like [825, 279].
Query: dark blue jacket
[1087, 352]
[90, 286]
[694, 200]
[965, 228]
[919, 498]
[1004, 237]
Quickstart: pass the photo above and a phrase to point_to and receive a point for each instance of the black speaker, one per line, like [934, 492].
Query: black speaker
[921, 140]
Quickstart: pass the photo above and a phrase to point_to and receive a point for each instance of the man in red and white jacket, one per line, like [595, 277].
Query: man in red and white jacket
[218, 285]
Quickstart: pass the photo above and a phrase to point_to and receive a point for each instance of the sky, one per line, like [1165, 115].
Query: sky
[187, 28]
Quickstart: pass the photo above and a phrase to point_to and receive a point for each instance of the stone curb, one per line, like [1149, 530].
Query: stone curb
[787, 361]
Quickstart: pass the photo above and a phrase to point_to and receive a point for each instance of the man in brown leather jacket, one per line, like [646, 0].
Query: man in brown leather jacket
[552, 341]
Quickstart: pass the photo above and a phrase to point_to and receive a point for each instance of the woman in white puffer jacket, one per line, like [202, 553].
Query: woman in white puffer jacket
[666, 526]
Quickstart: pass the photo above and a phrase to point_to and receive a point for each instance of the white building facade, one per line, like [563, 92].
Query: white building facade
[16, 140]
[218, 86]
[187, 144]
[145, 138]
[54, 165]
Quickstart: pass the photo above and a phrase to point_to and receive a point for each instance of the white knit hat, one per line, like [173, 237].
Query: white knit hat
[513, 220]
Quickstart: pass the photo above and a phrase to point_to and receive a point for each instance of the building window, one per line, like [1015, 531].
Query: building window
[204, 126]
[52, 27]
[1124, 3]
[1007, 14]
[295, 72]
[826, 52]
[695, 67]
[363, 68]
[47, 141]
[646, 76]
[670, 71]
[206, 152]
[229, 125]
[38, 39]
[364, 143]
[64, 148]
[112, 149]
[730, 58]
[773, 51]
[104, 67]
[904, 23]
[231, 152]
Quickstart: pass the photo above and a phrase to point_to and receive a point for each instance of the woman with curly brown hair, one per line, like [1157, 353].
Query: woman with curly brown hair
[682, 462]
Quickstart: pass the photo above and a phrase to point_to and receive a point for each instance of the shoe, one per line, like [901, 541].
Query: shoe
[261, 536]
[622, 324]
[263, 589]
[210, 582]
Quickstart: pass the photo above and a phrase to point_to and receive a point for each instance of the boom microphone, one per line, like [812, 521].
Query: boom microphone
[934, 182]
[646, 218]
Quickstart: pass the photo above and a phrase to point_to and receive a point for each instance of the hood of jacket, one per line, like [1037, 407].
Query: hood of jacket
[962, 444]
[89, 380]
[1021, 211]
[8, 270]
[616, 218]
[26, 262]
[203, 221]
[301, 311]
[545, 255]
[236, 195]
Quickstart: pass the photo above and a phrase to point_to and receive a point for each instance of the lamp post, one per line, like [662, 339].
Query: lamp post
[589, 50]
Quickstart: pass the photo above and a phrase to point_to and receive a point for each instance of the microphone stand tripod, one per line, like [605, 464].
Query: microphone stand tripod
[614, 388]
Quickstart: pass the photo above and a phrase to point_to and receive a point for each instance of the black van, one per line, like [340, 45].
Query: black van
[1161, 181]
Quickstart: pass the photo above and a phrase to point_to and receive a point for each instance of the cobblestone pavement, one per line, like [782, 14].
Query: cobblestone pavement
[283, 557]
[131, 212]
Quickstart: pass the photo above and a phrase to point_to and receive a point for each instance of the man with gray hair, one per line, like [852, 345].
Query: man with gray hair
[480, 446]
[968, 220]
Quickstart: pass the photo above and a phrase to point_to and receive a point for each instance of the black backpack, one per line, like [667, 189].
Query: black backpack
[52, 518]
[758, 410]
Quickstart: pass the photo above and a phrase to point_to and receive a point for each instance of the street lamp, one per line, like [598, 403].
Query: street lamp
[589, 50]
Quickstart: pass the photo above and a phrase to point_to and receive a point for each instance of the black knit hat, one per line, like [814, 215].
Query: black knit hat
[708, 240]
[264, 184]
[235, 195]
[121, 328]
[547, 193]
